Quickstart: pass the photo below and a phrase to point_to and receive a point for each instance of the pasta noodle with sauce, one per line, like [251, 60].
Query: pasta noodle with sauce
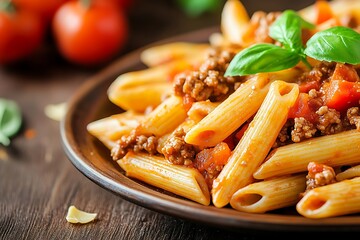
[256, 120]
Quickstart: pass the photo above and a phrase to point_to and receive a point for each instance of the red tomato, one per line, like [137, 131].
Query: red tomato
[44, 8]
[21, 31]
[89, 35]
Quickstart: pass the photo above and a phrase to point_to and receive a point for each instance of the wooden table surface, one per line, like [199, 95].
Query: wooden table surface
[37, 181]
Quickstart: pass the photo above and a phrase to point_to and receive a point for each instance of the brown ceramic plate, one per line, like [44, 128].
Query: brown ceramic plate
[91, 158]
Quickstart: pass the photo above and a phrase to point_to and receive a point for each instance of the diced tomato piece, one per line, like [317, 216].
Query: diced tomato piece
[307, 86]
[341, 94]
[323, 10]
[345, 72]
[303, 108]
[215, 156]
[221, 153]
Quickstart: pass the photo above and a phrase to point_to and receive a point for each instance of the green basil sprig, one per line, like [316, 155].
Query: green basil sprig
[262, 56]
[339, 44]
[287, 30]
[10, 120]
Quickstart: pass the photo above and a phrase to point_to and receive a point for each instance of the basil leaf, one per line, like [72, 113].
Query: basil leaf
[337, 44]
[10, 120]
[261, 58]
[305, 24]
[287, 29]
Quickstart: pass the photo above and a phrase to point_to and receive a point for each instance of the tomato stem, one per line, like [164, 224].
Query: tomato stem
[7, 6]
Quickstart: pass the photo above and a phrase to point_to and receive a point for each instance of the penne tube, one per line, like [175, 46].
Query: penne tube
[258, 139]
[155, 79]
[217, 39]
[183, 181]
[110, 129]
[332, 150]
[201, 109]
[349, 173]
[336, 199]
[160, 54]
[164, 118]
[142, 97]
[267, 195]
[234, 21]
[230, 114]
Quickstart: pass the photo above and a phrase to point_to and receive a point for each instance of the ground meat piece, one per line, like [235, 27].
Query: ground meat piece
[134, 142]
[353, 114]
[321, 72]
[313, 93]
[177, 151]
[329, 121]
[209, 81]
[319, 175]
[284, 135]
[262, 22]
[302, 129]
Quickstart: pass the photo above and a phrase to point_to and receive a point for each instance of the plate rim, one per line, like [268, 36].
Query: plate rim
[208, 215]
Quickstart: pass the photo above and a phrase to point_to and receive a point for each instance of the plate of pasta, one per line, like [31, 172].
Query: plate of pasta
[254, 124]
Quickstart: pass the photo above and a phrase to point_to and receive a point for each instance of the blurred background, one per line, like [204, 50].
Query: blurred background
[142, 22]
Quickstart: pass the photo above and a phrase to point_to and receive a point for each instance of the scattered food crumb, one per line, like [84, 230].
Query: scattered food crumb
[75, 215]
[30, 133]
[55, 111]
[3, 155]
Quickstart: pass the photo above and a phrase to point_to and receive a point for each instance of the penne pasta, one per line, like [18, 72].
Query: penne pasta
[234, 21]
[256, 142]
[160, 54]
[201, 109]
[164, 118]
[332, 200]
[110, 129]
[267, 195]
[230, 114]
[349, 173]
[128, 90]
[332, 150]
[154, 170]
[151, 96]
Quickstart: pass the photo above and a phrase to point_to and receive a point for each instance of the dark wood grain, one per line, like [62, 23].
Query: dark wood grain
[37, 181]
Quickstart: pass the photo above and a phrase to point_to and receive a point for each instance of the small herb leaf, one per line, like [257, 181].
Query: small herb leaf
[305, 24]
[10, 120]
[338, 44]
[287, 30]
[261, 58]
